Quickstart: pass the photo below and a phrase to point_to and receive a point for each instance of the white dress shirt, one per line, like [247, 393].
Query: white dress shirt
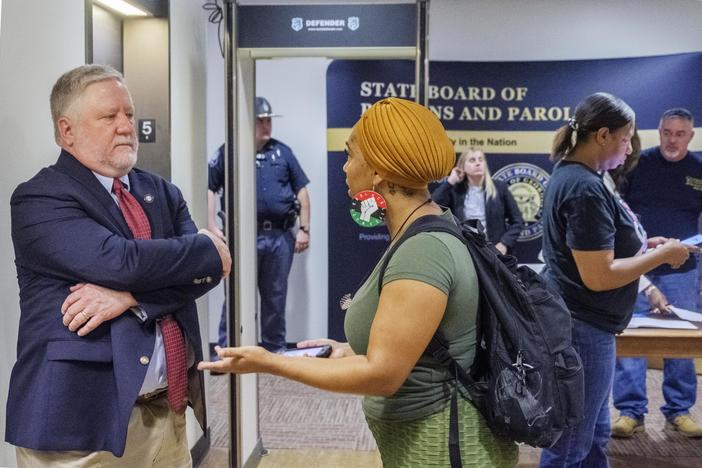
[474, 205]
[155, 378]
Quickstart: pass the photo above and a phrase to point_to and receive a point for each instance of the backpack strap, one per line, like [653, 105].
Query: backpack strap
[428, 223]
[438, 347]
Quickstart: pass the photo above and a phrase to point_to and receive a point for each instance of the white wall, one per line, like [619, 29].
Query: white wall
[34, 51]
[188, 135]
[505, 30]
[107, 38]
[295, 88]
[299, 97]
[245, 262]
[215, 137]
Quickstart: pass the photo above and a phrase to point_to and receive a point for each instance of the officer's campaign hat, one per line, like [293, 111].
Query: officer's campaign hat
[263, 108]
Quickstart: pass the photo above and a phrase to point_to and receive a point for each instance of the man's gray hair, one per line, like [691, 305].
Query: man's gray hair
[70, 86]
[678, 113]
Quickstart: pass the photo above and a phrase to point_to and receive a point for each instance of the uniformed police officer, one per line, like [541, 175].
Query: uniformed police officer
[281, 194]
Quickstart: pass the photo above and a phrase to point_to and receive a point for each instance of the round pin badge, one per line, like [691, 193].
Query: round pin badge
[148, 198]
[368, 208]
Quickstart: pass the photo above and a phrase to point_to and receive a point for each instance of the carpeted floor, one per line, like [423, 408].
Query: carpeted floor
[656, 441]
[294, 416]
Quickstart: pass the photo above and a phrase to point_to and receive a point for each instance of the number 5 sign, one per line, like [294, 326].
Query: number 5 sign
[147, 130]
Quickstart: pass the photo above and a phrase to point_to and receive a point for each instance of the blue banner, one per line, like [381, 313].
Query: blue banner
[510, 110]
[323, 26]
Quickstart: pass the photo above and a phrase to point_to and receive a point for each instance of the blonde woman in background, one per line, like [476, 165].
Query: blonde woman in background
[471, 193]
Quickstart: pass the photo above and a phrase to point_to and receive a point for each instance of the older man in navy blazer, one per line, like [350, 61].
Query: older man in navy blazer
[91, 383]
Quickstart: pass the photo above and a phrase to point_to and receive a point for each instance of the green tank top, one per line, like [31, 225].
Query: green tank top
[442, 261]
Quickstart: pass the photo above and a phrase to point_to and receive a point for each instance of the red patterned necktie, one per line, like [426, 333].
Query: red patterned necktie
[173, 342]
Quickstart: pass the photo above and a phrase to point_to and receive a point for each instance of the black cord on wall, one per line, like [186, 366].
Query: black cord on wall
[215, 17]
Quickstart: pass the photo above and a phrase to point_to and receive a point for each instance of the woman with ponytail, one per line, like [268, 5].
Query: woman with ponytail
[594, 253]
[471, 193]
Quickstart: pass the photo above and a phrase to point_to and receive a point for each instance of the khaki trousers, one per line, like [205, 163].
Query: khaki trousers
[156, 438]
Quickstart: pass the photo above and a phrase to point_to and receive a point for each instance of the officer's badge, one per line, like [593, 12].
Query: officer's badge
[353, 23]
[296, 24]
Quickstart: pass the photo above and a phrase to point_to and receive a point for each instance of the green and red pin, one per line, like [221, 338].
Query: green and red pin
[368, 208]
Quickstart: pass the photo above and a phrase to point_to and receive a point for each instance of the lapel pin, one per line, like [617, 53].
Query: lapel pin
[148, 198]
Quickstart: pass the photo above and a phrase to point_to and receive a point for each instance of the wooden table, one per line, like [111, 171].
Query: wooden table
[659, 342]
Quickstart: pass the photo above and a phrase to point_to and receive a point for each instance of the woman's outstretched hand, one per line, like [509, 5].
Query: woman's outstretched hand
[241, 360]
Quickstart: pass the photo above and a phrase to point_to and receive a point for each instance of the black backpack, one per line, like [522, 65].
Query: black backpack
[526, 379]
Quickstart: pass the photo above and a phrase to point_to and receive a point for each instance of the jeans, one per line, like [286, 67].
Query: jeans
[275, 255]
[586, 444]
[679, 378]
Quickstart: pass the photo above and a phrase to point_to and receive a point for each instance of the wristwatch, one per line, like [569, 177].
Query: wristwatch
[305, 229]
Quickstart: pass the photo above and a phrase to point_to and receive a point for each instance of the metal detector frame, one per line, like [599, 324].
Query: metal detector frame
[239, 68]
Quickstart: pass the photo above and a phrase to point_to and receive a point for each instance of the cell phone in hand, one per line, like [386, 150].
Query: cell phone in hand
[311, 351]
[694, 240]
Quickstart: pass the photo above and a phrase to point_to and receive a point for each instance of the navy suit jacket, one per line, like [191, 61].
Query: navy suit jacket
[76, 393]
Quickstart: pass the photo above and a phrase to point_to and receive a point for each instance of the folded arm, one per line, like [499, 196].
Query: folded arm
[89, 305]
[58, 237]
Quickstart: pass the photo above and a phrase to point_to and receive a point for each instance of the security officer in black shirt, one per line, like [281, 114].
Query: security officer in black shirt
[281, 196]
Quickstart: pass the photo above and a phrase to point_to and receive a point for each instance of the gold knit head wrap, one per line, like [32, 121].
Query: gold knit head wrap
[404, 143]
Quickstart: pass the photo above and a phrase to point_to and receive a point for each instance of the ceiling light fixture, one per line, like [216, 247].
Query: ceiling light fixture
[122, 7]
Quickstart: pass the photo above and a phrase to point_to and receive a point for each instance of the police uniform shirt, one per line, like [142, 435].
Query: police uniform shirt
[215, 173]
[278, 177]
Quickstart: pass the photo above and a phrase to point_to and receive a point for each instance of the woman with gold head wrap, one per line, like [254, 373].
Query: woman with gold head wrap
[430, 284]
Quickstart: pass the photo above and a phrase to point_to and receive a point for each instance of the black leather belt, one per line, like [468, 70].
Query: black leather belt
[270, 225]
[155, 395]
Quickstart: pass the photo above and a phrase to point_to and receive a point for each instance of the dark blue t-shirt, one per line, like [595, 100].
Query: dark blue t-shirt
[279, 177]
[667, 198]
[581, 214]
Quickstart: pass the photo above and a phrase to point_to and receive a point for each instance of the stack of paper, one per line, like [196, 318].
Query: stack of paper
[686, 314]
[679, 319]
